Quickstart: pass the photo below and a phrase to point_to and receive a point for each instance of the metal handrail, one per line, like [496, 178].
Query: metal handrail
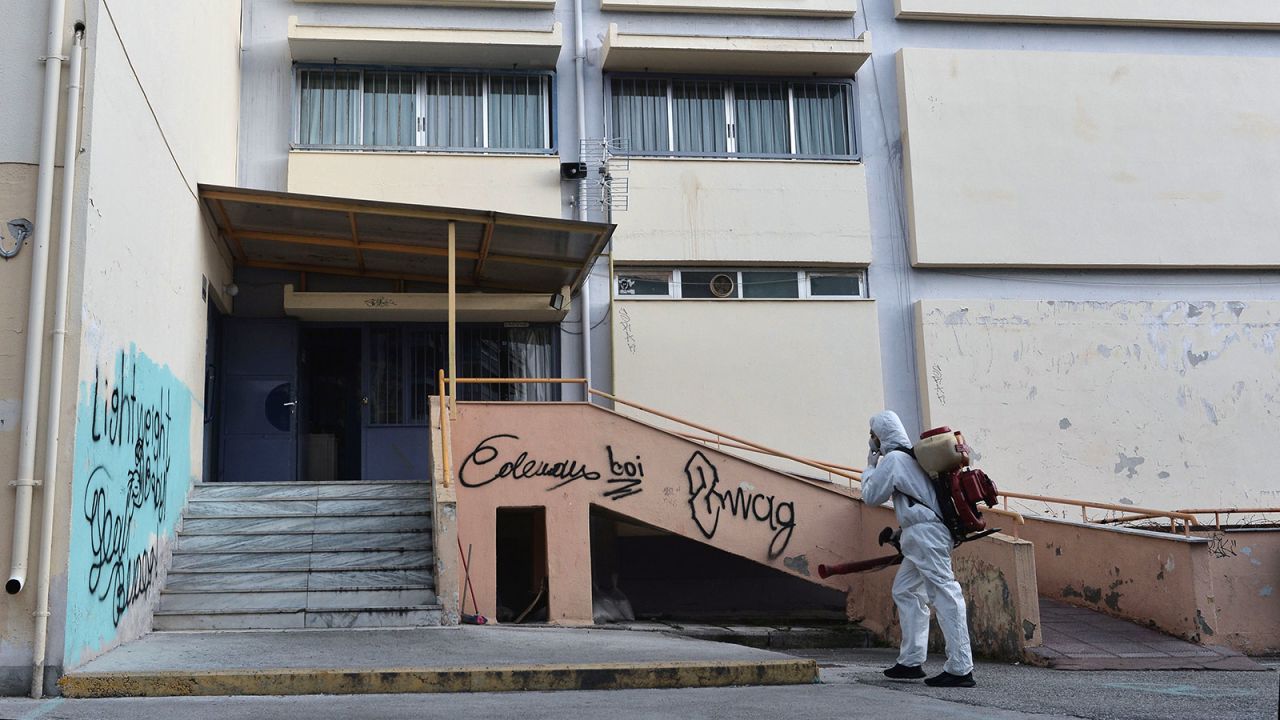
[1219, 512]
[444, 431]
[719, 442]
[854, 474]
[752, 446]
[1173, 515]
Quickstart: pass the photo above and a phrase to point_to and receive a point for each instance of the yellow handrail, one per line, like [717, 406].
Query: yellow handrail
[444, 431]
[719, 441]
[516, 381]
[1219, 512]
[1173, 516]
[752, 446]
[851, 473]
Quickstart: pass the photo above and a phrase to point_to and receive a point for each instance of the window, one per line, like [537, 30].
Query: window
[410, 109]
[739, 117]
[754, 284]
[404, 360]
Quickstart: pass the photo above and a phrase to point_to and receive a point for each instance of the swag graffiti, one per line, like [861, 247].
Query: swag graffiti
[707, 502]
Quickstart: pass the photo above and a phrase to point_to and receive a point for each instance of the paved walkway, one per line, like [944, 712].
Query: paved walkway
[419, 660]
[1080, 639]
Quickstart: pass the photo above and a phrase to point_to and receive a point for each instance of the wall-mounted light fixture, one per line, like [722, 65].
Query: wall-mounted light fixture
[560, 300]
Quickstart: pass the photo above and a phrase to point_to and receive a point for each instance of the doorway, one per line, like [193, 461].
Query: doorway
[523, 587]
[331, 403]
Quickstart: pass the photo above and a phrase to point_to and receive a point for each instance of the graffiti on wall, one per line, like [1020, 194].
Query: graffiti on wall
[130, 478]
[500, 456]
[707, 502]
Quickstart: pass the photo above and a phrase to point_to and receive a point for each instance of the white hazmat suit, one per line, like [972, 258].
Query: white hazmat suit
[925, 575]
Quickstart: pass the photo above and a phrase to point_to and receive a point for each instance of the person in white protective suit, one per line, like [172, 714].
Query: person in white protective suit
[925, 575]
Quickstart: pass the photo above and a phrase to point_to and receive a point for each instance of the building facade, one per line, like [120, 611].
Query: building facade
[1051, 225]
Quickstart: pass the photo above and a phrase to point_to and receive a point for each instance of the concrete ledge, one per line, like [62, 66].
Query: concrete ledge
[339, 681]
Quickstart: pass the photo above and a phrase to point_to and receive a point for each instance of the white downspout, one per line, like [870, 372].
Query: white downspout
[70, 151]
[35, 310]
[579, 60]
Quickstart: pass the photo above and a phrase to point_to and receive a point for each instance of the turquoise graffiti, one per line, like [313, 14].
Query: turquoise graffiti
[132, 472]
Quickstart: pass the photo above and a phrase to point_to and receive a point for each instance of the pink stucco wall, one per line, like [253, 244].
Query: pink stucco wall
[1215, 588]
[567, 457]
[1244, 566]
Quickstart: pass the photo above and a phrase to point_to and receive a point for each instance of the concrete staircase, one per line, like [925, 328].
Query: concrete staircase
[302, 555]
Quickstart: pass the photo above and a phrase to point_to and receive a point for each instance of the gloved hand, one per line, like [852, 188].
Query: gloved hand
[873, 458]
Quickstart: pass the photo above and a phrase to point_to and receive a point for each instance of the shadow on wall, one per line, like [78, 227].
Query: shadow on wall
[129, 482]
[669, 577]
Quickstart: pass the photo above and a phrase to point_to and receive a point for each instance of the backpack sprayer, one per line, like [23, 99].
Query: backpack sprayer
[944, 456]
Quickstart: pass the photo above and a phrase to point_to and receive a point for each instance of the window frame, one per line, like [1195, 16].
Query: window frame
[550, 130]
[851, 88]
[803, 277]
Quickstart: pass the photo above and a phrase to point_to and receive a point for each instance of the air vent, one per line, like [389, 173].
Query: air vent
[723, 285]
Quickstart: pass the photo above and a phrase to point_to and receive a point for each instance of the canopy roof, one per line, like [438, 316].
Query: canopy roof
[341, 236]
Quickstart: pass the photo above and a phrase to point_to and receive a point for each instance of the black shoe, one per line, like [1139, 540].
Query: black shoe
[904, 672]
[946, 679]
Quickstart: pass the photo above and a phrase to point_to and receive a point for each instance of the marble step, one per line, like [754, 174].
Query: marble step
[234, 525]
[305, 542]
[331, 491]
[297, 580]
[334, 560]
[197, 508]
[243, 601]
[264, 619]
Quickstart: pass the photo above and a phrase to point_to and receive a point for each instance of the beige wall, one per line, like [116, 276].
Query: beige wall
[18, 199]
[820, 8]
[1154, 404]
[802, 377]
[744, 211]
[526, 184]
[1083, 159]
[1250, 14]
[139, 313]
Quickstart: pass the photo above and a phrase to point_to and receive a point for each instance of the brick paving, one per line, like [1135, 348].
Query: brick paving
[1076, 638]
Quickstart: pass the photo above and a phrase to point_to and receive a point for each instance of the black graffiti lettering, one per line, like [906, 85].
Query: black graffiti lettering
[627, 476]
[488, 462]
[117, 574]
[707, 502]
[1221, 547]
[521, 468]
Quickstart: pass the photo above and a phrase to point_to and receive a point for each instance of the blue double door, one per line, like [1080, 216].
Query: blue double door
[322, 402]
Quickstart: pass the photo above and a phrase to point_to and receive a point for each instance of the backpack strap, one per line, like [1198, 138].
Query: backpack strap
[912, 500]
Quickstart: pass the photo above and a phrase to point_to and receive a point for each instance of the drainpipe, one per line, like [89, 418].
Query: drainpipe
[35, 310]
[70, 151]
[579, 60]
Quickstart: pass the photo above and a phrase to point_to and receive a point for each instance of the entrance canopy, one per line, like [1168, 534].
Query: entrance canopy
[495, 252]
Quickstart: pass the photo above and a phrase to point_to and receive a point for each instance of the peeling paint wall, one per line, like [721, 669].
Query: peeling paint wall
[1156, 404]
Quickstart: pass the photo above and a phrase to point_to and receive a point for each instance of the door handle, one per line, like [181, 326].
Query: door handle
[291, 403]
